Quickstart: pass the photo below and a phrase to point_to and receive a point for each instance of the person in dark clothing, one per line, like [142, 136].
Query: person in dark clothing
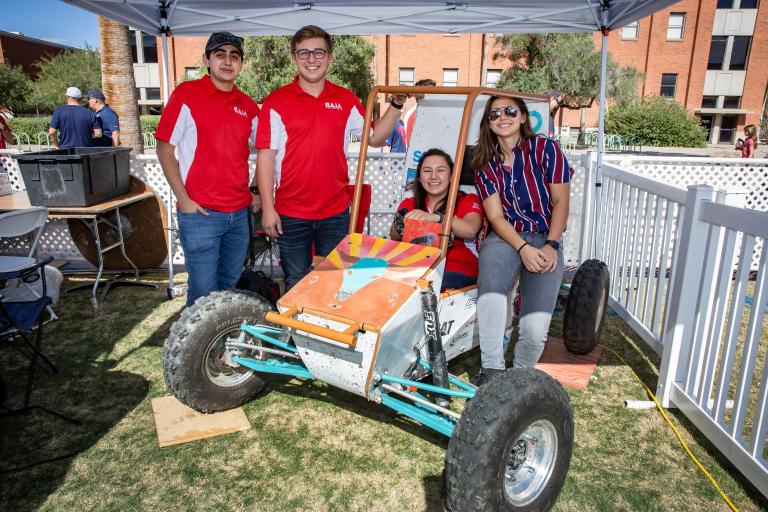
[73, 126]
[107, 119]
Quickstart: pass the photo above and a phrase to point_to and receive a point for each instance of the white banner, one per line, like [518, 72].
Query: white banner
[437, 122]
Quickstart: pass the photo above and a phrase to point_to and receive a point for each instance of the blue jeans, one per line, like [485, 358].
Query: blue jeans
[298, 237]
[214, 249]
[500, 266]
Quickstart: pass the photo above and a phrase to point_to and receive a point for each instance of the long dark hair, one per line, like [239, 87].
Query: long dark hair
[488, 144]
[419, 194]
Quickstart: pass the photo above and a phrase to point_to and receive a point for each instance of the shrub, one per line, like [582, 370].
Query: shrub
[32, 126]
[656, 121]
[149, 123]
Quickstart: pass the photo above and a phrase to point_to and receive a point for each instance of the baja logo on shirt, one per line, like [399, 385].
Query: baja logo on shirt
[333, 106]
[241, 112]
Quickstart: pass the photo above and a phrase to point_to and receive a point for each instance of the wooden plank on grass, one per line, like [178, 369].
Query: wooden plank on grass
[176, 423]
[571, 370]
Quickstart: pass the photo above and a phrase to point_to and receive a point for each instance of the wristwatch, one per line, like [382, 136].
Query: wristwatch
[553, 244]
[398, 106]
[254, 189]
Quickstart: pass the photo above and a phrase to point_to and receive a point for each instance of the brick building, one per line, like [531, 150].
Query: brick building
[16, 49]
[711, 56]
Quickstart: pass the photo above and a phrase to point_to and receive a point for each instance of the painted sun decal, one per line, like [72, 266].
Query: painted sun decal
[364, 260]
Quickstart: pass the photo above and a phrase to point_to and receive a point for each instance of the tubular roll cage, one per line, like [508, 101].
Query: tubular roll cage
[472, 93]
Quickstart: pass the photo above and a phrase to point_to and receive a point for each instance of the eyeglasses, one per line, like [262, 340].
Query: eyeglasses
[509, 111]
[317, 53]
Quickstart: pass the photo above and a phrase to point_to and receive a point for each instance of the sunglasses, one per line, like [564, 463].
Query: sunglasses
[222, 37]
[317, 53]
[509, 111]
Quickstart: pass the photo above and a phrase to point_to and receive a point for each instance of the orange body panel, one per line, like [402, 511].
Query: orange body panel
[365, 279]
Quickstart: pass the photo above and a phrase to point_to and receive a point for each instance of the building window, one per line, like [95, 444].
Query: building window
[450, 77]
[134, 49]
[191, 73]
[149, 43]
[709, 102]
[706, 122]
[676, 26]
[630, 31]
[407, 76]
[731, 101]
[492, 77]
[748, 4]
[727, 129]
[668, 85]
[740, 52]
[717, 52]
[153, 93]
[725, 4]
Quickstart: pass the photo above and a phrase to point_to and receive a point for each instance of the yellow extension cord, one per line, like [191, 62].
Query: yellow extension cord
[674, 429]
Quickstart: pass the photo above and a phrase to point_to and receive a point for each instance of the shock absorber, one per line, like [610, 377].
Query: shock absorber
[435, 343]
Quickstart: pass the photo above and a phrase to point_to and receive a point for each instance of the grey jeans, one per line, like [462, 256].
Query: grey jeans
[500, 266]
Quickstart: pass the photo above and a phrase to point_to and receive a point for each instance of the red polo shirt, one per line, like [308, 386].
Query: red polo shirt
[310, 136]
[212, 131]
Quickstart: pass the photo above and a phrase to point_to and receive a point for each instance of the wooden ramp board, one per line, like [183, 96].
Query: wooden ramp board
[176, 423]
[569, 369]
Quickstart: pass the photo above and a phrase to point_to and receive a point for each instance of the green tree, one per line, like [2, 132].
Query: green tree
[656, 121]
[567, 62]
[80, 69]
[268, 65]
[15, 87]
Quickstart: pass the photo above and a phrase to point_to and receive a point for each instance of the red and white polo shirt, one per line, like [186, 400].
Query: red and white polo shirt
[310, 136]
[212, 131]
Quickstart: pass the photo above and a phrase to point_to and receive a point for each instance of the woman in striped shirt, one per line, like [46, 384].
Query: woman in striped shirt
[524, 183]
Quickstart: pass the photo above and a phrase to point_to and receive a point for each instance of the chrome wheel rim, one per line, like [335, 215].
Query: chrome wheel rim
[215, 364]
[530, 463]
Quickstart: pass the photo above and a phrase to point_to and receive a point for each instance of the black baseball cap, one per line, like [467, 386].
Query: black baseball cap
[219, 39]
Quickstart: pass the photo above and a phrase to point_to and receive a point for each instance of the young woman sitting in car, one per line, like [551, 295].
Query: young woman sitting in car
[430, 191]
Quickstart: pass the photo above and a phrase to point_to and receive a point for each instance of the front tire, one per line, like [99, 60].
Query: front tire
[512, 446]
[193, 364]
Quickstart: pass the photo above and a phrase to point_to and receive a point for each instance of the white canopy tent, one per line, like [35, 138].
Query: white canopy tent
[280, 17]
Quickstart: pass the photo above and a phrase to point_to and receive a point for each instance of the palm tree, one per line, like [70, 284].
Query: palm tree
[118, 82]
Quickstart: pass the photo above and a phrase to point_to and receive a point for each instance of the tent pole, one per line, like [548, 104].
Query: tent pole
[166, 69]
[600, 146]
[169, 203]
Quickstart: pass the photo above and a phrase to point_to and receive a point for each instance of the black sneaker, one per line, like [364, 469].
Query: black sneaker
[484, 376]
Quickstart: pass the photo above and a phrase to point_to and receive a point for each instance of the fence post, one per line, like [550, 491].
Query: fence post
[587, 209]
[688, 268]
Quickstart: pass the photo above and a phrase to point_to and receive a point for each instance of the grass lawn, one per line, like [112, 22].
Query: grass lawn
[312, 447]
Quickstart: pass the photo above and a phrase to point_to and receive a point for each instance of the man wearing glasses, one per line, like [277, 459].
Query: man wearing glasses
[304, 129]
[211, 124]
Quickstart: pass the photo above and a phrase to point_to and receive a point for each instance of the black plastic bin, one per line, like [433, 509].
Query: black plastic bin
[75, 176]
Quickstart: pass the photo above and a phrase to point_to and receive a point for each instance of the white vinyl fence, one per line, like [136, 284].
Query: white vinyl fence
[688, 273]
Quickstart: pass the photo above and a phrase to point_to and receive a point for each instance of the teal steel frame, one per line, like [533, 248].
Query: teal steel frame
[419, 412]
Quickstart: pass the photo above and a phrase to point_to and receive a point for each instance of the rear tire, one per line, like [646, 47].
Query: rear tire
[512, 446]
[585, 307]
[193, 364]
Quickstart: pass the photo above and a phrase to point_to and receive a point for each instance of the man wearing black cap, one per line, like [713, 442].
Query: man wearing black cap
[210, 123]
[107, 119]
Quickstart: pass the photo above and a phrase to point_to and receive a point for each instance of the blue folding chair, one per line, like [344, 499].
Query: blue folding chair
[21, 327]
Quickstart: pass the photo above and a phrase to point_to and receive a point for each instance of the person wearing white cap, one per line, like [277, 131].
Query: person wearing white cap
[72, 125]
